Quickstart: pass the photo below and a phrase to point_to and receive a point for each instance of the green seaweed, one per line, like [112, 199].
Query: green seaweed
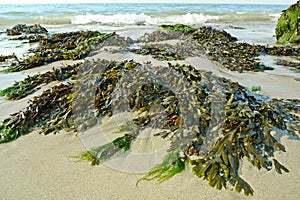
[255, 88]
[6, 91]
[104, 152]
[15, 93]
[8, 134]
[179, 27]
[123, 142]
[172, 164]
[91, 155]
[288, 26]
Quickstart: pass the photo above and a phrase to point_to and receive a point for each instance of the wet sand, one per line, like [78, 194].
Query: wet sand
[39, 167]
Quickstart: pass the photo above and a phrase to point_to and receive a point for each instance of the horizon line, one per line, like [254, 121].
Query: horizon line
[142, 3]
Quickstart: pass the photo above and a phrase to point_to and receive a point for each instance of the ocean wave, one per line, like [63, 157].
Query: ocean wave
[275, 16]
[187, 18]
[249, 17]
[54, 20]
[240, 13]
[142, 18]
[133, 19]
[117, 19]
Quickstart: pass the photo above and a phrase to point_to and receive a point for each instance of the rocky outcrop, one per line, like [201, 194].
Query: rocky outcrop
[288, 26]
[23, 28]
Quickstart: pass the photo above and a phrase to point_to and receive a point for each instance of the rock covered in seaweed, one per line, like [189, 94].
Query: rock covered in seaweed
[160, 35]
[288, 26]
[179, 28]
[179, 51]
[7, 57]
[221, 47]
[27, 29]
[66, 46]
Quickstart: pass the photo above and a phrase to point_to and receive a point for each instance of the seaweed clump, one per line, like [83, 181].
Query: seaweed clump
[222, 123]
[27, 29]
[222, 48]
[218, 45]
[61, 46]
[179, 27]
[50, 111]
[167, 52]
[53, 110]
[31, 84]
[6, 57]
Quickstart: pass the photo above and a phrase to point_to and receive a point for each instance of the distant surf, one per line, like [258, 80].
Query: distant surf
[135, 14]
[250, 23]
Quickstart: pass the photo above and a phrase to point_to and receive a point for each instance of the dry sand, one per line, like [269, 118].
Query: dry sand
[39, 167]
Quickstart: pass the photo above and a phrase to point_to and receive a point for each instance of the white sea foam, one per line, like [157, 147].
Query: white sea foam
[129, 19]
[189, 18]
[275, 16]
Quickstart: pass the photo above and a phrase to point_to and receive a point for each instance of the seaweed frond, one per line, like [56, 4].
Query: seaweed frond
[104, 152]
[172, 164]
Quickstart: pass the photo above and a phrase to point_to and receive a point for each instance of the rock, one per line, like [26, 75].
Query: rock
[3, 58]
[23, 28]
[288, 26]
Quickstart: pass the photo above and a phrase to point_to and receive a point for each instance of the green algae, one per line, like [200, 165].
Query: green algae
[288, 26]
[104, 152]
[179, 27]
[172, 164]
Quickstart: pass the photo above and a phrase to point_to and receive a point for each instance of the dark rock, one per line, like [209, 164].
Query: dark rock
[6, 57]
[23, 28]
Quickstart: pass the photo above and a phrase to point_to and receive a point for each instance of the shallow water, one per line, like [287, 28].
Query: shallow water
[278, 69]
[8, 47]
[7, 80]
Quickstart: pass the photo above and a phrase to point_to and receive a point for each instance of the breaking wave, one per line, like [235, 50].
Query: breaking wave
[142, 18]
[133, 19]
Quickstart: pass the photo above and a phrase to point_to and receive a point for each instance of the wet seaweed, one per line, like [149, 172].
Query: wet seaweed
[171, 165]
[60, 46]
[218, 45]
[30, 84]
[104, 152]
[212, 136]
[179, 27]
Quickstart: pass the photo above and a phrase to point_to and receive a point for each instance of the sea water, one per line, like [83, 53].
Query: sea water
[251, 23]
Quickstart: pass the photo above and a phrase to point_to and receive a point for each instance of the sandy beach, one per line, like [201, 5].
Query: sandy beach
[40, 167]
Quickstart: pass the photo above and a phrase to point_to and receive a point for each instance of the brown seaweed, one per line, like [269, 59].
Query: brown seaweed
[222, 123]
